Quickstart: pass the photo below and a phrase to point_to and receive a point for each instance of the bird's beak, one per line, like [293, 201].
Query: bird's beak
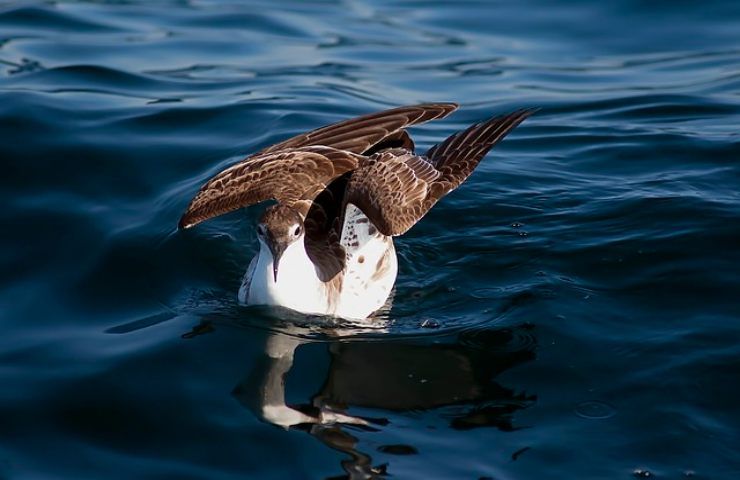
[277, 249]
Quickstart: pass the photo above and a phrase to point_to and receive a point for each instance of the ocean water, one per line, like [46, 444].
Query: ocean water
[573, 311]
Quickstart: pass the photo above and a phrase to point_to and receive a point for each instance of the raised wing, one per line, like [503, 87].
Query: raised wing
[297, 169]
[288, 176]
[360, 134]
[395, 188]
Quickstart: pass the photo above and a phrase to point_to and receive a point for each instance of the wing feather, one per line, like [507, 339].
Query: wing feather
[396, 188]
[296, 170]
[360, 134]
[289, 176]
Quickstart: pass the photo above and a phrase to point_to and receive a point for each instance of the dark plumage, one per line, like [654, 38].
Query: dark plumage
[299, 168]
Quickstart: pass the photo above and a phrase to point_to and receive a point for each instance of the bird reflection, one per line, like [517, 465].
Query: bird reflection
[451, 374]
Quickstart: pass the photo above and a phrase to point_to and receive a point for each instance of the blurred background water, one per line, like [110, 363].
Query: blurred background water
[573, 311]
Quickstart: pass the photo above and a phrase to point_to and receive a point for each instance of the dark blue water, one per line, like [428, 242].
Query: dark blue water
[573, 311]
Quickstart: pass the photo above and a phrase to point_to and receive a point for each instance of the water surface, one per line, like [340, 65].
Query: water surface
[571, 312]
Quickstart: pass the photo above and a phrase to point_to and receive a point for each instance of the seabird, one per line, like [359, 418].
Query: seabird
[343, 192]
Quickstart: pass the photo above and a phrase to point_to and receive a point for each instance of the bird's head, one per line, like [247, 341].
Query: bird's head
[279, 227]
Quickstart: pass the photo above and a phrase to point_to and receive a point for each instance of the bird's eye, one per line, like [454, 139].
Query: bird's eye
[297, 231]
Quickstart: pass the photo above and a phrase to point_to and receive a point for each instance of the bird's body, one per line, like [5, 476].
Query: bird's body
[355, 293]
[343, 192]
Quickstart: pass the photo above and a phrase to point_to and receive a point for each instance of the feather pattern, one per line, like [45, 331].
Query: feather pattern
[396, 188]
[288, 176]
[360, 134]
[299, 168]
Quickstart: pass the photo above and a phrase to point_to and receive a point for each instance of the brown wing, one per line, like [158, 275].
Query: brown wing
[360, 134]
[289, 176]
[297, 169]
[458, 155]
[395, 189]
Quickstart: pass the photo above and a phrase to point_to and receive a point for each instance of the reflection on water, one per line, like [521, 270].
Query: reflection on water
[454, 376]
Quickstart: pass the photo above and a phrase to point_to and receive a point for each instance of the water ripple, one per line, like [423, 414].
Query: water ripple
[579, 289]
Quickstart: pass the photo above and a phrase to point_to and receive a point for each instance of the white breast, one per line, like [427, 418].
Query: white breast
[298, 287]
[367, 280]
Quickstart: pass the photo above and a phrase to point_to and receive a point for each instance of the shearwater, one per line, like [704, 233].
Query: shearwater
[343, 192]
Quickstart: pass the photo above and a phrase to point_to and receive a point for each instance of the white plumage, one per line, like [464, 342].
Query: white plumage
[363, 287]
